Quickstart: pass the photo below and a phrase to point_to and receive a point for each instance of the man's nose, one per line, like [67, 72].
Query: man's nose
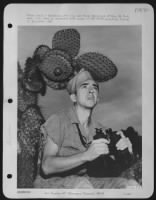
[91, 90]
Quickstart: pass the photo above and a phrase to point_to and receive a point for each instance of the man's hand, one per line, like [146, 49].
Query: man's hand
[124, 142]
[97, 148]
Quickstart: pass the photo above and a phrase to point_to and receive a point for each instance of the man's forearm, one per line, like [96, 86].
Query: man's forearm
[52, 164]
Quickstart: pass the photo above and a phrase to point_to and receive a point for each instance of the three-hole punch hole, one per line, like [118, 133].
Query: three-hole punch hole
[10, 100]
[9, 176]
[10, 25]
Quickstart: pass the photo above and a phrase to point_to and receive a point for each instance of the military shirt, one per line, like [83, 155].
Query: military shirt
[62, 129]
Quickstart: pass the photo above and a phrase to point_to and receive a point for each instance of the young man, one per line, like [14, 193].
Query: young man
[70, 145]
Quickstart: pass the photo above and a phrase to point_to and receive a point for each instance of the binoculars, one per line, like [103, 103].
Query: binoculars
[104, 165]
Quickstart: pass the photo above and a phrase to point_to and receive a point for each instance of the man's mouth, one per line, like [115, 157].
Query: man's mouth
[91, 98]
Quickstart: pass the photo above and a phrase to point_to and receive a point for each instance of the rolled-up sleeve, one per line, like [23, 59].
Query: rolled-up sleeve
[51, 128]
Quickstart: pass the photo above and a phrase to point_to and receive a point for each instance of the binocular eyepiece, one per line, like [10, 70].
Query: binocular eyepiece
[111, 136]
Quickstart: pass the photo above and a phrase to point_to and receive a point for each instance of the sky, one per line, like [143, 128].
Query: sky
[120, 103]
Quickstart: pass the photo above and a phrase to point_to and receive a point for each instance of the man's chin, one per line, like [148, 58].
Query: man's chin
[90, 106]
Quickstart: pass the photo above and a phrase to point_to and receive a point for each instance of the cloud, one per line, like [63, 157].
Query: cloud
[120, 98]
[119, 115]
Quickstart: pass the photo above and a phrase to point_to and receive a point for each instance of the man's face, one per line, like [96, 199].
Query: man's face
[87, 94]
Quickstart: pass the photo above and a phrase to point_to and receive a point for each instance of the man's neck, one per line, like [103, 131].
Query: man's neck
[83, 115]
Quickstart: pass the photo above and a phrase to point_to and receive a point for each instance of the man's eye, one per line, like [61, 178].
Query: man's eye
[84, 86]
[96, 87]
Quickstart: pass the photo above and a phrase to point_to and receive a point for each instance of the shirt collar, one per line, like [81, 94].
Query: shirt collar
[74, 119]
[73, 116]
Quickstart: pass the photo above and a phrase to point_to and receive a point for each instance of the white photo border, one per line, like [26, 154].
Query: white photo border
[17, 15]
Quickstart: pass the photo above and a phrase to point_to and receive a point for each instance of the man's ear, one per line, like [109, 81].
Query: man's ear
[73, 98]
